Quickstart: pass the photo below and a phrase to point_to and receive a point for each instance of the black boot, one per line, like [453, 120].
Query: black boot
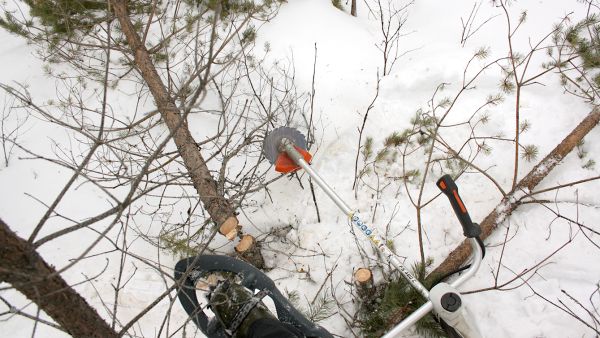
[237, 308]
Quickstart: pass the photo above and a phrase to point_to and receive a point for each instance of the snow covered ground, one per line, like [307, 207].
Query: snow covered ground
[347, 65]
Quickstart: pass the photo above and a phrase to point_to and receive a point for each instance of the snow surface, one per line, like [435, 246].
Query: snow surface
[346, 74]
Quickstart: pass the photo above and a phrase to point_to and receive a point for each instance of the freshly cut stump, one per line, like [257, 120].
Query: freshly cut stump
[248, 249]
[363, 277]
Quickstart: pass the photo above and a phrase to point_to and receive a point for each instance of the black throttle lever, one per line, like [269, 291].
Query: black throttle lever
[449, 188]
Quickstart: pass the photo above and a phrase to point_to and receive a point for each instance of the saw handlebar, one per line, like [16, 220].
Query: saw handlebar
[449, 188]
[461, 323]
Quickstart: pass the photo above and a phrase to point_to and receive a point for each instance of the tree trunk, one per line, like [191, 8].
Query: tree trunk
[353, 8]
[217, 206]
[26, 271]
[508, 204]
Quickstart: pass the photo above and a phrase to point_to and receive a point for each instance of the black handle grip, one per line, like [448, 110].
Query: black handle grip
[449, 188]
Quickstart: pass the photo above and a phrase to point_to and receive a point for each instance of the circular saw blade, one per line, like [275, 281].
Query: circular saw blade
[273, 139]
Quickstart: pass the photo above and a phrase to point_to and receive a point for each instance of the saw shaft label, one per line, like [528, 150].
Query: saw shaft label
[365, 229]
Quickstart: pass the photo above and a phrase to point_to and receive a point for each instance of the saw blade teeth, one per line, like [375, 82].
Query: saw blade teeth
[273, 139]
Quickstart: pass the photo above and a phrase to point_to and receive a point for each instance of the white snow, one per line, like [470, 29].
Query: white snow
[308, 251]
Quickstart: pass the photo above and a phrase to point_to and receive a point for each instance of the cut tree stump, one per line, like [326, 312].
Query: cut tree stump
[248, 249]
[363, 277]
[365, 288]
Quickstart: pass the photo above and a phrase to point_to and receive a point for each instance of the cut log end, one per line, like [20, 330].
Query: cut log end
[229, 228]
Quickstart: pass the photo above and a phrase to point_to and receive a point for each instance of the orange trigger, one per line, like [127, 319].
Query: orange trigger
[460, 203]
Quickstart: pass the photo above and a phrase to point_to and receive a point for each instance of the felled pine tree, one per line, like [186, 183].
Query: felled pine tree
[588, 45]
[64, 18]
[583, 40]
[68, 16]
